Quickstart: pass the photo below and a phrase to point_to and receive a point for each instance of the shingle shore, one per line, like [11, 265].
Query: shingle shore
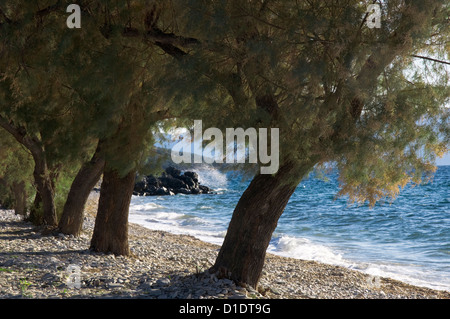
[166, 266]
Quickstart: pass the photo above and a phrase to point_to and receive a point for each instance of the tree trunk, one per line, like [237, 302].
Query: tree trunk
[45, 189]
[42, 175]
[241, 257]
[35, 211]
[111, 224]
[20, 198]
[71, 221]
[43, 211]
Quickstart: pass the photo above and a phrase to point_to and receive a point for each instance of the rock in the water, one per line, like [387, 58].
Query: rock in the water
[170, 183]
[192, 175]
[140, 186]
[184, 191]
[152, 181]
[172, 171]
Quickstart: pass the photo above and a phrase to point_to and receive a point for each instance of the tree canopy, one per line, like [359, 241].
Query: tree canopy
[338, 89]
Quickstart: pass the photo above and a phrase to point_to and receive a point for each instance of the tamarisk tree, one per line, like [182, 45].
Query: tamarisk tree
[60, 97]
[89, 94]
[16, 172]
[340, 92]
[139, 87]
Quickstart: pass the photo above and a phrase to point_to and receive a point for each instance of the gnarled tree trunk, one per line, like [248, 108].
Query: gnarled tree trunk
[111, 224]
[42, 175]
[71, 221]
[241, 257]
[44, 186]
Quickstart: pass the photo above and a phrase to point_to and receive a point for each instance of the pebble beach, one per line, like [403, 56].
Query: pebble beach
[166, 266]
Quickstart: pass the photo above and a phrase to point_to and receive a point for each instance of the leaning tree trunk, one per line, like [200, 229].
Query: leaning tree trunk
[42, 175]
[111, 224]
[241, 257]
[71, 221]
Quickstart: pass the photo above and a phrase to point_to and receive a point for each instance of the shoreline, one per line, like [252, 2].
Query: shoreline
[167, 266]
[366, 267]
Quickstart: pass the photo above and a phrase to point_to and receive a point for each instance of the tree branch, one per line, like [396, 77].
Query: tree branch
[173, 45]
[166, 41]
[430, 59]
[383, 55]
[52, 8]
[20, 134]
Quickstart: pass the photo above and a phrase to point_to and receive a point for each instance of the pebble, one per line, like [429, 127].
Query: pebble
[163, 282]
[165, 266]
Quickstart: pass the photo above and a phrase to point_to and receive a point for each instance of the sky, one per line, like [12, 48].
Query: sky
[444, 160]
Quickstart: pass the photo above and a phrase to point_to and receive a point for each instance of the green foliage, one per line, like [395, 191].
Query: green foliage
[24, 284]
[67, 89]
[339, 91]
[16, 166]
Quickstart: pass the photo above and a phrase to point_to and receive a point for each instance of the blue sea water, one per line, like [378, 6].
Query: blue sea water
[408, 239]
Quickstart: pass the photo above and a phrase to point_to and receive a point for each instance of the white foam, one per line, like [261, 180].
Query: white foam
[302, 248]
[157, 217]
[305, 249]
[411, 274]
[211, 177]
[145, 207]
[173, 224]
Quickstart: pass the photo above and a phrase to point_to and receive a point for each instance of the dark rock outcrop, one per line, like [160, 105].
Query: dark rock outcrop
[170, 183]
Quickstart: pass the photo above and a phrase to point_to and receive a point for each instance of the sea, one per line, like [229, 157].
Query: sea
[407, 239]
